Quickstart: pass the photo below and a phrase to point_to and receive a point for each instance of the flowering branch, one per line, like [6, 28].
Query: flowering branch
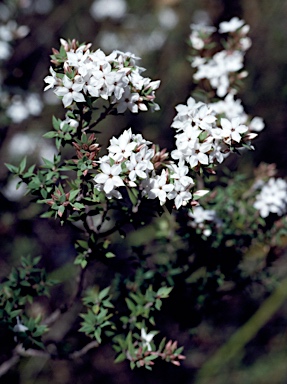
[136, 180]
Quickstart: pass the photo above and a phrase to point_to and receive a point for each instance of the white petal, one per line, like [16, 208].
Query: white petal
[79, 97]
[101, 178]
[67, 99]
[109, 185]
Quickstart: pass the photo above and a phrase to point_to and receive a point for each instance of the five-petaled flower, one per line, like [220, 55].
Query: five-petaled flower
[109, 177]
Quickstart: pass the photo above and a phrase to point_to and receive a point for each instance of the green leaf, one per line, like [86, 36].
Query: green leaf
[78, 206]
[151, 357]
[164, 292]
[83, 244]
[104, 293]
[158, 304]
[130, 304]
[12, 168]
[97, 335]
[47, 214]
[110, 255]
[133, 195]
[73, 194]
[121, 357]
[56, 123]
[50, 135]
[61, 210]
[161, 345]
[22, 165]
[44, 193]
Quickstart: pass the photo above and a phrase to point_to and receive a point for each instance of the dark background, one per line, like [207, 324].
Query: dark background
[164, 52]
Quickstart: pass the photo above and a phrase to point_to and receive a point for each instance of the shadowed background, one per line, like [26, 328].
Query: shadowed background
[157, 31]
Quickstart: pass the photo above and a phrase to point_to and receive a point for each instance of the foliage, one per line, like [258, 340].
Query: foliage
[187, 230]
[21, 288]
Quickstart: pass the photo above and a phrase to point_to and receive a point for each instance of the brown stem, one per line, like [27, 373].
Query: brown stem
[80, 285]
[80, 126]
[66, 307]
[102, 116]
[84, 350]
[114, 229]
[31, 352]
[20, 351]
[8, 364]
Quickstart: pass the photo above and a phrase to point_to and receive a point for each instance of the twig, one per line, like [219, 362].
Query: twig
[235, 344]
[20, 351]
[114, 229]
[102, 116]
[80, 285]
[7, 365]
[31, 352]
[84, 350]
[53, 317]
[80, 126]
[65, 308]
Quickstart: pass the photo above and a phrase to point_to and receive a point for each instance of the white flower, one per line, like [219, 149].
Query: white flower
[10, 190]
[180, 194]
[109, 177]
[139, 164]
[204, 118]
[34, 104]
[196, 41]
[19, 327]
[219, 152]
[186, 140]
[217, 70]
[147, 338]
[179, 172]
[230, 108]
[136, 169]
[197, 61]
[122, 147]
[5, 50]
[203, 27]
[199, 154]
[115, 9]
[128, 101]
[167, 17]
[203, 218]
[51, 80]
[20, 109]
[68, 121]
[232, 129]
[272, 198]
[17, 110]
[116, 83]
[70, 92]
[78, 60]
[160, 188]
[245, 43]
[231, 26]
[256, 124]
[199, 214]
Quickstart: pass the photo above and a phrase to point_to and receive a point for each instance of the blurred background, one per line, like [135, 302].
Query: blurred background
[157, 31]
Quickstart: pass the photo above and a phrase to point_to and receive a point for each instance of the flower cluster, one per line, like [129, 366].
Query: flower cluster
[80, 74]
[133, 162]
[203, 139]
[20, 108]
[17, 107]
[272, 198]
[223, 68]
[204, 220]
[230, 107]
[9, 32]
[114, 9]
